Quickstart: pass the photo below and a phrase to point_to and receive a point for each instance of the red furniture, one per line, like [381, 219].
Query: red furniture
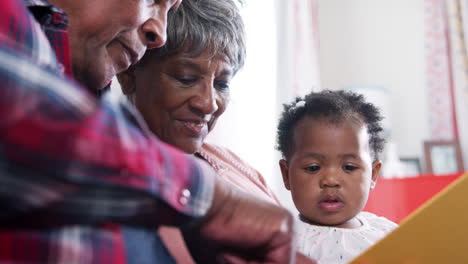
[397, 198]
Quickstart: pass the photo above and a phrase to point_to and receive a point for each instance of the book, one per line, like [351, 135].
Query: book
[435, 233]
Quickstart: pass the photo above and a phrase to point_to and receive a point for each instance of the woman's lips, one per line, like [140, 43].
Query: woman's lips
[195, 128]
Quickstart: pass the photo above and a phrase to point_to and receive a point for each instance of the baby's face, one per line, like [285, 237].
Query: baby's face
[330, 171]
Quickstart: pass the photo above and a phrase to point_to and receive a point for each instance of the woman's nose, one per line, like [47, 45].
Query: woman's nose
[205, 100]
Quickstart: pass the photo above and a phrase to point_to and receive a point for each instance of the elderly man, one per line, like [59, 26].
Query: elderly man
[81, 179]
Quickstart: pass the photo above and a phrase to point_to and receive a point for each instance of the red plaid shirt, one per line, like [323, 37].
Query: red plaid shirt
[81, 181]
[54, 24]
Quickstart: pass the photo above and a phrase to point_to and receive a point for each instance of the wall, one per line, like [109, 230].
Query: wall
[379, 42]
[249, 123]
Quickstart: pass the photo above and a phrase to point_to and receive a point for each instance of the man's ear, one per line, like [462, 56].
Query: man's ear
[127, 81]
[285, 173]
[376, 166]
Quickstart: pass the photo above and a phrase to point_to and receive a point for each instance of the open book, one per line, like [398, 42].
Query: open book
[435, 233]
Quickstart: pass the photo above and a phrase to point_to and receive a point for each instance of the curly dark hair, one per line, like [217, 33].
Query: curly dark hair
[334, 107]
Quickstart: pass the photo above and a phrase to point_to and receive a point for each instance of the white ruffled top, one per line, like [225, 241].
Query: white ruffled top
[331, 245]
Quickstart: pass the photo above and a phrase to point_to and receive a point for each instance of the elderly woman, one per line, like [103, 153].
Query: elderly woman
[182, 89]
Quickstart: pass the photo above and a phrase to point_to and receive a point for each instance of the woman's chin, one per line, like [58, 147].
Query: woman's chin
[190, 147]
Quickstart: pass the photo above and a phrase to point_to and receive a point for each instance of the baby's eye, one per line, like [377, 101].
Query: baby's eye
[312, 168]
[349, 167]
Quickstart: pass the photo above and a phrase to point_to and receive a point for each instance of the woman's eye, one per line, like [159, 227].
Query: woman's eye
[154, 2]
[312, 168]
[221, 85]
[350, 167]
[186, 80]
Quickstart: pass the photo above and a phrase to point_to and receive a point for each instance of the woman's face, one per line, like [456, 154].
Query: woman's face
[181, 97]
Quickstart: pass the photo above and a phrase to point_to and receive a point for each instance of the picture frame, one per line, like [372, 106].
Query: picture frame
[412, 166]
[443, 157]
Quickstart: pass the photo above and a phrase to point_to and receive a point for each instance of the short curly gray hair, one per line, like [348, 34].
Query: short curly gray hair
[201, 25]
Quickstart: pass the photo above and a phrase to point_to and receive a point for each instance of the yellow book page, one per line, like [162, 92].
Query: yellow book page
[436, 233]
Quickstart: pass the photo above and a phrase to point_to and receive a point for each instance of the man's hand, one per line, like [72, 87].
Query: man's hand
[242, 229]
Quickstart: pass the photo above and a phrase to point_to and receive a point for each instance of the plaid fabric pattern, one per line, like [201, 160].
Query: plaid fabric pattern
[54, 23]
[21, 34]
[81, 179]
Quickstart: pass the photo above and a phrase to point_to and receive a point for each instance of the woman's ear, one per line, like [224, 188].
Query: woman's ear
[376, 166]
[285, 173]
[127, 81]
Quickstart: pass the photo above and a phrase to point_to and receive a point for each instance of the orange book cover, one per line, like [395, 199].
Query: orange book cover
[435, 233]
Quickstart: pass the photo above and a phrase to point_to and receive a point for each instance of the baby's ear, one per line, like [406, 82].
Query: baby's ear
[285, 173]
[127, 81]
[376, 166]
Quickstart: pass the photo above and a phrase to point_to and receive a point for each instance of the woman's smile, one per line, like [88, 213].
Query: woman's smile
[195, 128]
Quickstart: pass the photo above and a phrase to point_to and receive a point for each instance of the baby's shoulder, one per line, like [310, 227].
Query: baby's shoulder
[378, 222]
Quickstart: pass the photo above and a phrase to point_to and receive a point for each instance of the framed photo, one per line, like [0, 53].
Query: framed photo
[411, 166]
[443, 157]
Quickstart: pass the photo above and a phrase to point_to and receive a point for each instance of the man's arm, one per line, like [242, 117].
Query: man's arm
[63, 151]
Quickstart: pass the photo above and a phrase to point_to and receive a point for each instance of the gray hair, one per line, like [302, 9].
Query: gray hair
[205, 25]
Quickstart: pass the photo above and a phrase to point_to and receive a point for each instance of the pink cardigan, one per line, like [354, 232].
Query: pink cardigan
[235, 171]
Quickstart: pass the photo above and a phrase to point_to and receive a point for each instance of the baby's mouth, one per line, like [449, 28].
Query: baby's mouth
[331, 203]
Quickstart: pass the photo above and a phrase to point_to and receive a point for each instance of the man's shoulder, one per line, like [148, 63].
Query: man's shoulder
[43, 4]
[20, 33]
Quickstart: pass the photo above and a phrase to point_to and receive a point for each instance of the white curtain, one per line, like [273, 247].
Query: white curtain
[298, 68]
[298, 62]
[248, 125]
[457, 17]
[438, 72]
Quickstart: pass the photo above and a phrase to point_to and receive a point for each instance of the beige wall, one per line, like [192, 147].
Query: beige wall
[379, 42]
